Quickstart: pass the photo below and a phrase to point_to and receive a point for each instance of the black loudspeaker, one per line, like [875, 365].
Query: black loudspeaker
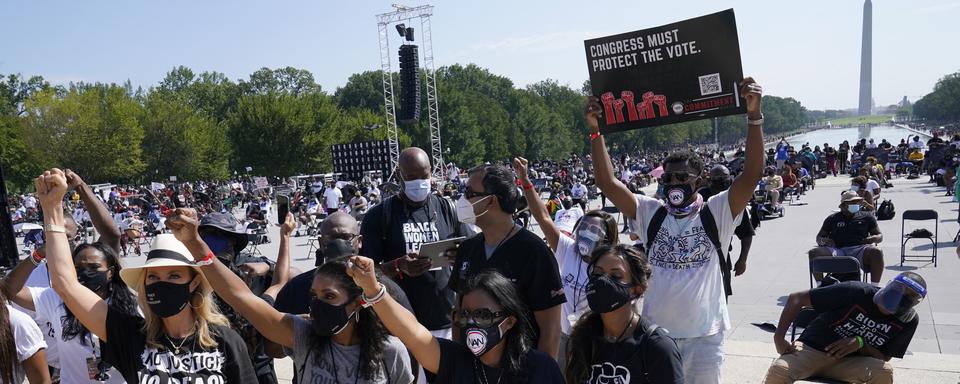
[409, 84]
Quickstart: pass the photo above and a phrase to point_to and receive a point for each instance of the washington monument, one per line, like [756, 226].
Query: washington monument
[866, 58]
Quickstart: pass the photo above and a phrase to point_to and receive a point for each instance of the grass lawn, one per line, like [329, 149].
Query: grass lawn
[878, 119]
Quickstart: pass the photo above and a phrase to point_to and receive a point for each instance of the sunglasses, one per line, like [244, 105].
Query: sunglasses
[482, 317]
[676, 177]
[471, 194]
[340, 236]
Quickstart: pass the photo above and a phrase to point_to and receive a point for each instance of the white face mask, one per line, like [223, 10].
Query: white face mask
[465, 210]
[853, 208]
[416, 190]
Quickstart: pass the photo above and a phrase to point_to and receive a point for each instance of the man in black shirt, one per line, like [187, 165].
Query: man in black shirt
[857, 330]
[720, 180]
[489, 201]
[842, 154]
[394, 230]
[851, 233]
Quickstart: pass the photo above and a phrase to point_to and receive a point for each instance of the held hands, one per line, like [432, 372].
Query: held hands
[183, 222]
[288, 225]
[751, 92]
[363, 272]
[520, 166]
[843, 347]
[73, 180]
[51, 186]
[592, 114]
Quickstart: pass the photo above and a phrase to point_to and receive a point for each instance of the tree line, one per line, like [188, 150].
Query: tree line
[943, 104]
[280, 122]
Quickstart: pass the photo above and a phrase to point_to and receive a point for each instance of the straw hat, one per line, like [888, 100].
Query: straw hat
[166, 251]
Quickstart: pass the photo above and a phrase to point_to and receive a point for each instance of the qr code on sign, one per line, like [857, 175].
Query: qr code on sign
[710, 84]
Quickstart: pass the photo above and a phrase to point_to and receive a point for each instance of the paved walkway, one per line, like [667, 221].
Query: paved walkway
[778, 266]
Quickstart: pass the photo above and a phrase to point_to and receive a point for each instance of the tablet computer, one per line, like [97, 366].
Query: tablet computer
[436, 251]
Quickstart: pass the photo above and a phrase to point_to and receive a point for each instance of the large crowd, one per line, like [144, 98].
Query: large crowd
[494, 302]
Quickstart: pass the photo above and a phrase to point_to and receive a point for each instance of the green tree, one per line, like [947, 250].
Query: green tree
[93, 128]
[181, 141]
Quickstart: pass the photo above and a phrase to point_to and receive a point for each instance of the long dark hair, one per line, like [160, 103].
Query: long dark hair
[8, 346]
[519, 339]
[372, 333]
[119, 296]
[586, 338]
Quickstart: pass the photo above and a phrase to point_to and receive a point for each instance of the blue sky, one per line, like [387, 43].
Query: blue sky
[808, 50]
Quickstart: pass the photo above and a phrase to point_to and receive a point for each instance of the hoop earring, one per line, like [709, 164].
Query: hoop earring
[196, 293]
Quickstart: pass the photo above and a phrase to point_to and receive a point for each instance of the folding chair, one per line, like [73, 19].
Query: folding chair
[314, 243]
[835, 265]
[918, 215]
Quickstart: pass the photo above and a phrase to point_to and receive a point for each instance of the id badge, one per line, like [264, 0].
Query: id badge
[94, 371]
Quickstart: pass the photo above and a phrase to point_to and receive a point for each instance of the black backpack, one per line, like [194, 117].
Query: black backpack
[886, 211]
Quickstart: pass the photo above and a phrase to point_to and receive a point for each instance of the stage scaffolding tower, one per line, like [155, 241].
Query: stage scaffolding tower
[406, 14]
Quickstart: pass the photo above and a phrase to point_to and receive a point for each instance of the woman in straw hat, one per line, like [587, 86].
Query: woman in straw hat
[182, 337]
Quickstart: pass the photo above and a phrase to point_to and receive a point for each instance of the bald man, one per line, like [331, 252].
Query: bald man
[394, 230]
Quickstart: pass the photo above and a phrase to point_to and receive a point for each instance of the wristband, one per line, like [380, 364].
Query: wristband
[396, 268]
[367, 302]
[527, 186]
[206, 260]
[36, 258]
[859, 343]
[53, 228]
[594, 136]
[755, 122]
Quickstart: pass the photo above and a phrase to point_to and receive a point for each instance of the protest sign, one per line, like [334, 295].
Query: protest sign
[157, 186]
[173, 178]
[678, 72]
[261, 182]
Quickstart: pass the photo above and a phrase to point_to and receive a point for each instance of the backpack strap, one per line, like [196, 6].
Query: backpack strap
[645, 351]
[449, 211]
[655, 223]
[385, 217]
[710, 227]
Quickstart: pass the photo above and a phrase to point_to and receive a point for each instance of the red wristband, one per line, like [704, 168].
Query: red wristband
[37, 257]
[396, 268]
[207, 260]
[594, 136]
[527, 186]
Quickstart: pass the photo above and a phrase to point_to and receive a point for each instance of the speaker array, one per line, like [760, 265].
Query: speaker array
[409, 84]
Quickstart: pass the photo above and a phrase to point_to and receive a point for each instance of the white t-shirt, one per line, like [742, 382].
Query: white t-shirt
[579, 191]
[685, 294]
[73, 355]
[916, 144]
[566, 219]
[39, 278]
[331, 198]
[29, 340]
[317, 187]
[873, 185]
[30, 202]
[573, 274]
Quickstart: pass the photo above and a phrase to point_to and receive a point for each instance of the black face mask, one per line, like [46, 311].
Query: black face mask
[481, 340]
[93, 279]
[328, 319]
[334, 249]
[604, 294]
[167, 299]
[678, 195]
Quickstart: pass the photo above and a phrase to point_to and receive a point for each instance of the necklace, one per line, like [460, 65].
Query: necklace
[624, 332]
[176, 348]
[482, 375]
[504, 239]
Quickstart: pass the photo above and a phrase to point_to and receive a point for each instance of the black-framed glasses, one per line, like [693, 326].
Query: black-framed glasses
[482, 317]
[675, 177]
[471, 194]
[339, 236]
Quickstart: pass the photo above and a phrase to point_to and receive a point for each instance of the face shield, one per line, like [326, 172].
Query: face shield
[588, 237]
[900, 295]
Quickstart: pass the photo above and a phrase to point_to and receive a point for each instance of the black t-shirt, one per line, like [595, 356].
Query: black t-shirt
[458, 365]
[524, 259]
[409, 228]
[846, 231]
[127, 351]
[294, 297]
[653, 358]
[846, 309]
